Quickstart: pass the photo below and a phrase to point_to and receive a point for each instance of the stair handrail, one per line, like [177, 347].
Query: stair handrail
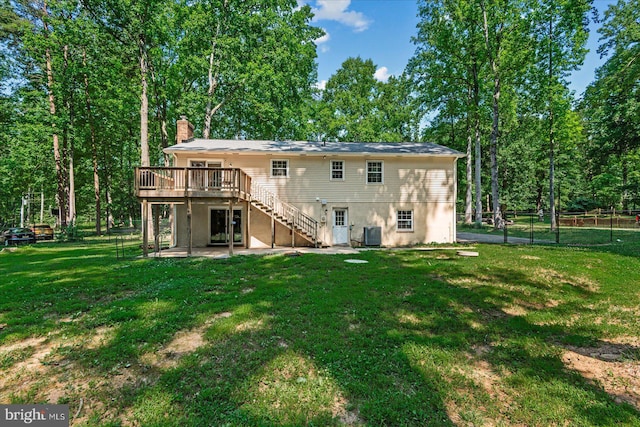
[296, 218]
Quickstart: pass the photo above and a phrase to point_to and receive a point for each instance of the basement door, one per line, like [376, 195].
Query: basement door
[219, 227]
[340, 226]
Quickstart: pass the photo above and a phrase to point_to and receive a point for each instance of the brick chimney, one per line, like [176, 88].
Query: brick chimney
[184, 130]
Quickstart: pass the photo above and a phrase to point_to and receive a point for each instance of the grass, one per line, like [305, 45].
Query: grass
[414, 337]
[569, 235]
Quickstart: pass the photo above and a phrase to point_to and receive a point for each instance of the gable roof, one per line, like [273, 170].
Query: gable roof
[232, 146]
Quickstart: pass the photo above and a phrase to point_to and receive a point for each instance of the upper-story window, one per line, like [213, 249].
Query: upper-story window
[280, 168]
[374, 172]
[337, 170]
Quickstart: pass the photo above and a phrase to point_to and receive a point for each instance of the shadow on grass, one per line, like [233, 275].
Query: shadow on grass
[404, 340]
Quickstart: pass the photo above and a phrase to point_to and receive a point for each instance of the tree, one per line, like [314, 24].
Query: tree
[559, 32]
[356, 107]
[505, 32]
[246, 68]
[446, 71]
[349, 100]
[611, 104]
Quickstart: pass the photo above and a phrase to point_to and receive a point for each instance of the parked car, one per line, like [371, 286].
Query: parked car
[17, 235]
[43, 232]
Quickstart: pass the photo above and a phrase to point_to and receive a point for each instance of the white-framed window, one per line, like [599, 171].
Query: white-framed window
[280, 168]
[404, 220]
[337, 170]
[375, 171]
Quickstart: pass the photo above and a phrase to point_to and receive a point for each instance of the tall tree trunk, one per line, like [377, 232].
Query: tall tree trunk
[493, 54]
[94, 147]
[478, 146]
[552, 166]
[478, 169]
[493, 152]
[72, 188]
[60, 172]
[144, 103]
[213, 83]
[69, 144]
[213, 78]
[144, 122]
[625, 182]
[109, 213]
[468, 200]
[161, 115]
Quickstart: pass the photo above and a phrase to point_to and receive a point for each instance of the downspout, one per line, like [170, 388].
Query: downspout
[453, 237]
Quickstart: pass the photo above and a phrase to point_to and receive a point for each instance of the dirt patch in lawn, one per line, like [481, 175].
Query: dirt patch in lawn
[487, 412]
[549, 276]
[182, 344]
[23, 359]
[614, 366]
[39, 369]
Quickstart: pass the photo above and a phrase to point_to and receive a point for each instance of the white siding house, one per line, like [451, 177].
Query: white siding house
[268, 193]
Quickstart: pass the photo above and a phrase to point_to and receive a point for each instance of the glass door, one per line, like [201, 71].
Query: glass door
[197, 178]
[215, 176]
[220, 226]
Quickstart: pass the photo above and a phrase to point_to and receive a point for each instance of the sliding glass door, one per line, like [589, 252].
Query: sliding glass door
[219, 226]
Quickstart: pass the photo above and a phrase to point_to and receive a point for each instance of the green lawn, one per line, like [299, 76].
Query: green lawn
[569, 235]
[517, 336]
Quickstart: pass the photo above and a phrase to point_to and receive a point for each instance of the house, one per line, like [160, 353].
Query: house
[265, 193]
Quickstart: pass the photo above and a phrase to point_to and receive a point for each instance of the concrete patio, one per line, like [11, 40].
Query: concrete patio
[223, 251]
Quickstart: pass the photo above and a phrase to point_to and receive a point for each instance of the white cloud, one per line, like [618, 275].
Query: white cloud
[336, 10]
[323, 39]
[321, 85]
[382, 74]
[321, 42]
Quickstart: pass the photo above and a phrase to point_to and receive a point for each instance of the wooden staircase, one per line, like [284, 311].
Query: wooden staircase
[285, 213]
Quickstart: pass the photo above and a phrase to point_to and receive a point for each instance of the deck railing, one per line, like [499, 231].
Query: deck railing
[165, 180]
[285, 211]
[175, 182]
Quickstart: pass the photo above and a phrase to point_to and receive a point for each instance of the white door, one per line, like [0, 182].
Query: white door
[340, 227]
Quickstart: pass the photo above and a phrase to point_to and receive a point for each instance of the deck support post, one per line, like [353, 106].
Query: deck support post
[189, 226]
[248, 226]
[145, 229]
[155, 209]
[231, 224]
[273, 229]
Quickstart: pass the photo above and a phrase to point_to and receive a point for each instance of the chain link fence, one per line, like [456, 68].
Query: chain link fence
[571, 228]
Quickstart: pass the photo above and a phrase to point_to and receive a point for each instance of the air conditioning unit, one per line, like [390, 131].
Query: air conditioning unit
[372, 236]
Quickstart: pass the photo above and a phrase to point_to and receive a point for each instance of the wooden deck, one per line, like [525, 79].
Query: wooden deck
[159, 185]
[167, 184]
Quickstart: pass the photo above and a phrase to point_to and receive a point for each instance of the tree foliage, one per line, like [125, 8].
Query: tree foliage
[611, 108]
[89, 89]
[491, 76]
[356, 107]
[100, 83]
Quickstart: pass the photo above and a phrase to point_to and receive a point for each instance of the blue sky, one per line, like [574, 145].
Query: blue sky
[382, 29]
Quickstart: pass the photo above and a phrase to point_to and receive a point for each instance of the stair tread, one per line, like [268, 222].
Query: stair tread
[284, 219]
